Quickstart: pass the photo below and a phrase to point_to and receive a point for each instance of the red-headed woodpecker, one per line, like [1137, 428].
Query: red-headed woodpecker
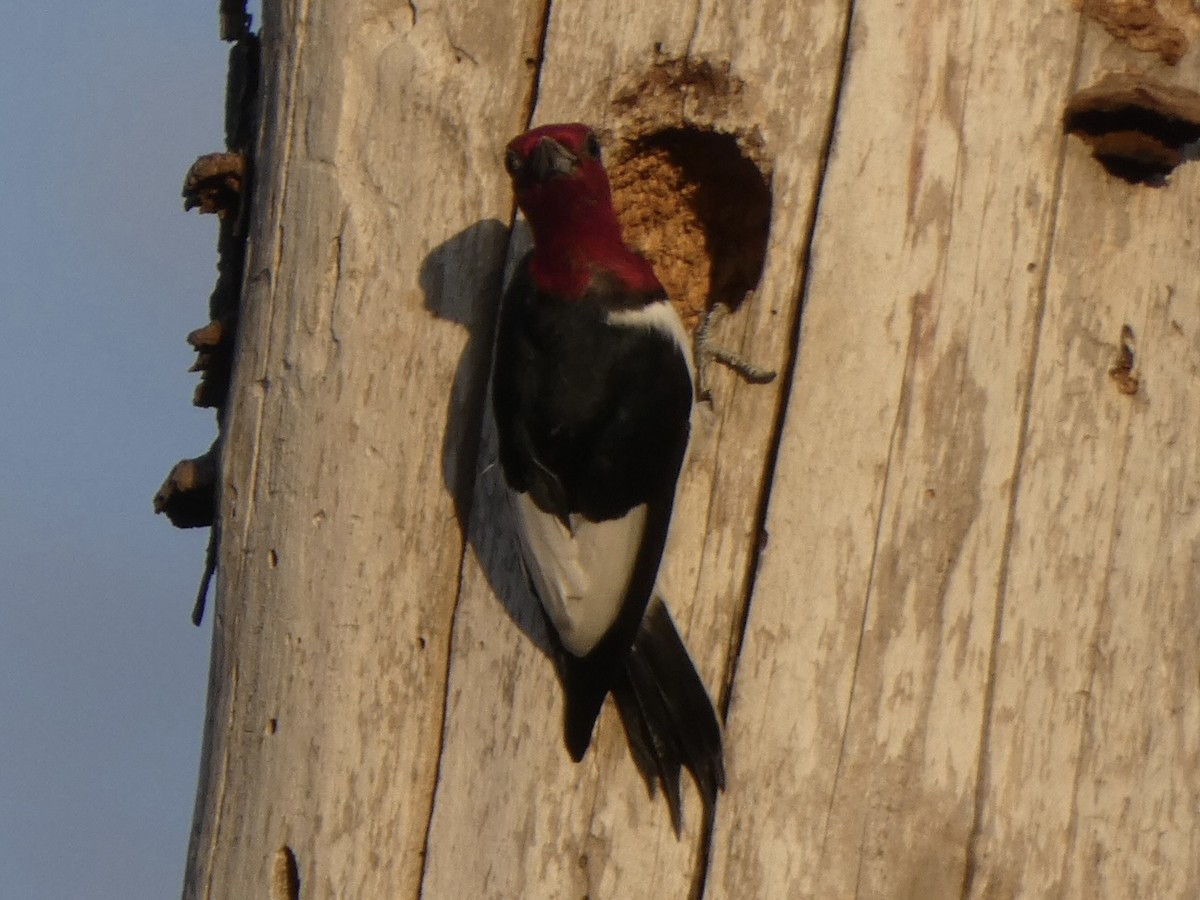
[593, 394]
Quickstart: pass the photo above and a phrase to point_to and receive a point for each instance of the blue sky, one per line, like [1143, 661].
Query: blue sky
[103, 107]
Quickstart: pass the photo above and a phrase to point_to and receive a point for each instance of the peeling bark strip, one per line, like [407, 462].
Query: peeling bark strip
[188, 495]
[214, 184]
[1139, 129]
[963, 664]
[218, 183]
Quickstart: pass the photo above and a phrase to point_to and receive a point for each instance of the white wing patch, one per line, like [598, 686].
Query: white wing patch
[658, 316]
[581, 574]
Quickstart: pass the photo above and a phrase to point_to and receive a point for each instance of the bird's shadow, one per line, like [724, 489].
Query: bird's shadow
[463, 279]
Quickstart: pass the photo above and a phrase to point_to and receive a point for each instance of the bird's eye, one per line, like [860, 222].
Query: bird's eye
[512, 162]
[592, 145]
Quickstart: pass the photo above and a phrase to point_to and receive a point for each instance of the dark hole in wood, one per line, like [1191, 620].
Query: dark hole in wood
[700, 209]
[1139, 129]
[285, 876]
[733, 202]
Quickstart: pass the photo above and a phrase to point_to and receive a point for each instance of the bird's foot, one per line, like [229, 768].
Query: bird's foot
[708, 352]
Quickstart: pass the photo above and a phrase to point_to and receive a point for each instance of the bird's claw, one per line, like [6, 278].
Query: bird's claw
[706, 352]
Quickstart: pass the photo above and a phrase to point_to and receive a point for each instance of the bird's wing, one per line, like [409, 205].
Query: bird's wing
[593, 415]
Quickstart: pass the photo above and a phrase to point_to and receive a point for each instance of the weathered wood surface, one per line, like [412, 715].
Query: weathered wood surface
[866, 663]
[1091, 784]
[969, 659]
[354, 421]
[547, 827]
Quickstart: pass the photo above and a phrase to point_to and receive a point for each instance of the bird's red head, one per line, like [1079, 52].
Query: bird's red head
[562, 188]
[556, 164]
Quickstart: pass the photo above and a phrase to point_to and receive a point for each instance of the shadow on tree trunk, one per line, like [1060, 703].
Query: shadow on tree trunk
[451, 277]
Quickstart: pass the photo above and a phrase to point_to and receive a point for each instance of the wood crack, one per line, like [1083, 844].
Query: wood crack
[983, 765]
[787, 377]
[445, 716]
[1087, 721]
[902, 408]
[288, 153]
[473, 444]
[222, 787]
[540, 39]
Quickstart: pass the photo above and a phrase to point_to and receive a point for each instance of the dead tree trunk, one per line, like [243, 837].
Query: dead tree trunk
[941, 572]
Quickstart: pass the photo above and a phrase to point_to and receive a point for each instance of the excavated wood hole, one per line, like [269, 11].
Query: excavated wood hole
[1139, 129]
[1122, 372]
[699, 209]
[285, 875]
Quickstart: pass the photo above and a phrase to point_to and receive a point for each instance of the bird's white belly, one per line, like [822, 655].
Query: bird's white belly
[581, 573]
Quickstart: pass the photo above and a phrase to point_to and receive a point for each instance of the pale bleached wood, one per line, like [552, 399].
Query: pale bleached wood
[858, 710]
[514, 816]
[1092, 785]
[970, 659]
[341, 549]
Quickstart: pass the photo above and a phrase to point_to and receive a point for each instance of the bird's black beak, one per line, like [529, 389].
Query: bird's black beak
[551, 159]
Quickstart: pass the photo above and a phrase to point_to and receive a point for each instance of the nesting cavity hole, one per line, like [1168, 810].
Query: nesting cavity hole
[699, 209]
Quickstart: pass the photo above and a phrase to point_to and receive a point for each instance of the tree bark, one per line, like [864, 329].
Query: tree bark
[940, 572]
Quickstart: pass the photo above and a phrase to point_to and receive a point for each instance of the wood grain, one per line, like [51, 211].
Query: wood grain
[1090, 780]
[941, 572]
[544, 826]
[866, 662]
[355, 414]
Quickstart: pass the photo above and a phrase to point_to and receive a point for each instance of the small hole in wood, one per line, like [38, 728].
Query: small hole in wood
[285, 876]
[1122, 372]
[699, 209]
[1139, 129]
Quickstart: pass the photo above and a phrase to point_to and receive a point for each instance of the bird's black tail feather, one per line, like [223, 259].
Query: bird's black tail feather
[668, 715]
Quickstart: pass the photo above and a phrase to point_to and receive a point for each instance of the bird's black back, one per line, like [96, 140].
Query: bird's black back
[593, 419]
